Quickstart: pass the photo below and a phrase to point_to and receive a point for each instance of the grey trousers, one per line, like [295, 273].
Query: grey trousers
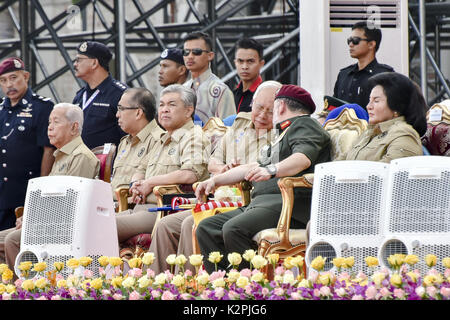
[173, 235]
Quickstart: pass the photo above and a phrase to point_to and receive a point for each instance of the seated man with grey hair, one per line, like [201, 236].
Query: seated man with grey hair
[72, 158]
[179, 157]
[250, 133]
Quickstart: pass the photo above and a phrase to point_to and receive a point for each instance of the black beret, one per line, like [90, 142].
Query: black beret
[173, 54]
[96, 50]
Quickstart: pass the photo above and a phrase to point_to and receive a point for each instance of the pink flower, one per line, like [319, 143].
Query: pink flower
[135, 272]
[341, 292]
[265, 291]
[106, 292]
[296, 296]
[59, 277]
[278, 291]
[167, 295]
[343, 276]
[136, 296]
[42, 298]
[431, 291]
[73, 291]
[246, 273]
[361, 275]
[18, 283]
[325, 291]
[248, 289]
[385, 292]
[117, 270]
[313, 275]
[316, 293]
[150, 273]
[232, 294]
[169, 275]
[117, 296]
[156, 294]
[185, 296]
[279, 270]
[217, 275]
[399, 293]
[188, 273]
[219, 292]
[82, 293]
[6, 296]
[101, 271]
[445, 292]
[447, 273]
[420, 291]
[88, 273]
[56, 297]
[371, 292]
[357, 297]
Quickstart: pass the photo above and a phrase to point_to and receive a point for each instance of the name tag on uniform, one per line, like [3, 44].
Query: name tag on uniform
[435, 115]
[25, 114]
[100, 104]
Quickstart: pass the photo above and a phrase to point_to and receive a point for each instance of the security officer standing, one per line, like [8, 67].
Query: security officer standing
[100, 96]
[25, 151]
[351, 83]
[171, 67]
[301, 145]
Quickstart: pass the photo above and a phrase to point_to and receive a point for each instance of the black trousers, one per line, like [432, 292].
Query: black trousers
[7, 219]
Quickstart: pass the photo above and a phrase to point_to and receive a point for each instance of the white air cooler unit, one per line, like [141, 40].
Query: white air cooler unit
[418, 209]
[346, 211]
[67, 217]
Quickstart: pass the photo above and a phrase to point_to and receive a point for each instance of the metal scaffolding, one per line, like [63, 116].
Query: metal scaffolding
[226, 21]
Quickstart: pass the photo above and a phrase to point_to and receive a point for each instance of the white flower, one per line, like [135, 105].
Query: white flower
[128, 282]
[196, 260]
[249, 255]
[241, 282]
[161, 279]
[144, 282]
[171, 259]
[258, 261]
[180, 260]
[234, 259]
[178, 280]
[219, 282]
[148, 258]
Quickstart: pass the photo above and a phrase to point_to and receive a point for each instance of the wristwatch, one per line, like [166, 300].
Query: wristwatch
[272, 169]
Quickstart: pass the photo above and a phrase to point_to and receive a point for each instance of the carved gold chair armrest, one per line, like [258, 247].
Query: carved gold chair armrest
[122, 194]
[18, 212]
[160, 191]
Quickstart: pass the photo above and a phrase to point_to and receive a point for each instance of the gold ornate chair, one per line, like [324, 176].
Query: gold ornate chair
[344, 130]
[437, 137]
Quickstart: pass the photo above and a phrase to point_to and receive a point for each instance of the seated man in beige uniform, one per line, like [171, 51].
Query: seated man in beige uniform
[179, 157]
[72, 158]
[251, 132]
[136, 113]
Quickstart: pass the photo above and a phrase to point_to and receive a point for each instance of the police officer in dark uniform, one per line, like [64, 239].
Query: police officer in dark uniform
[25, 151]
[301, 145]
[100, 96]
[351, 83]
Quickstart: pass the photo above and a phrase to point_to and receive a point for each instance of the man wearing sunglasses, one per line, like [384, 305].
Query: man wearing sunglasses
[351, 83]
[99, 97]
[214, 98]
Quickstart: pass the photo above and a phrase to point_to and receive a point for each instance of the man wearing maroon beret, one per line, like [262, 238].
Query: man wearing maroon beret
[25, 151]
[302, 143]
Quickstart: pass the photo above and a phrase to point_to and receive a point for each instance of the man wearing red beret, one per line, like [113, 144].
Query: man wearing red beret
[301, 145]
[25, 151]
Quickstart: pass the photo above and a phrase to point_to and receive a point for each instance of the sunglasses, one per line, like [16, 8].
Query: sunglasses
[356, 40]
[195, 52]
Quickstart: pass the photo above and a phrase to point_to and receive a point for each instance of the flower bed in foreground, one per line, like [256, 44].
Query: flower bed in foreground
[402, 282]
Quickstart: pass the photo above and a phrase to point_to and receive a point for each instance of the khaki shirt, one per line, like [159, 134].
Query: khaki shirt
[188, 148]
[241, 141]
[131, 151]
[214, 98]
[386, 141]
[75, 159]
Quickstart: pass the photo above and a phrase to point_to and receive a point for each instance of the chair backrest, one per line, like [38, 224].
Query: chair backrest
[106, 155]
[437, 137]
[344, 131]
[214, 130]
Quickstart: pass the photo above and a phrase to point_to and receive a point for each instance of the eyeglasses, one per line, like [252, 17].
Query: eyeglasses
[356, 40]
[122, 108]
[78, 59]
[195, 52]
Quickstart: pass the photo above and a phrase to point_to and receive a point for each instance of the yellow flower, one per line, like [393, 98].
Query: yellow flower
[429, 280]
[97, 283]
[180, 260]
[413, 276]
[28, 285]
[196, 260]
[396, 260]
[325, 279]
[215, 257]
[378, 277]
[85, 261]
[128, 282]
[58, 266]
[202, 279]
[242, 281]
[258, 261]
[318, 263]
[115, 261]
[233, 276]
[297, 261]
[249, 255]
[371, 262]
[41, 283]
[25, 265]
[349, 262]
[84, 284]
[411, 259]
[258, 277]
[61, 283]
[338, 262]
[73, 263]
[117, 281]
[273, 258]
[161, 279]
[178, 280]
[287, 263]
[10, 288]
[148, 258]
[103, 261]
[234, 259]
[40, 266]
[446, 262]
[135, 262]
[144, 282]
[396, 280]
[3, 267]
[430, 260]
[2, 288]
[7, 275]
[219, 282]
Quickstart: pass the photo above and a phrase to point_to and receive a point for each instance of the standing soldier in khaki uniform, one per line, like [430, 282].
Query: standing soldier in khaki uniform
[72, 158]
[250, 129]
[136, 113]
[214, 98]
[179, 157]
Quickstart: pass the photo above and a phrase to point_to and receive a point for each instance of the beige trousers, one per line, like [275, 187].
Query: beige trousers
[133, 222]
[12, 246]
[172, 236]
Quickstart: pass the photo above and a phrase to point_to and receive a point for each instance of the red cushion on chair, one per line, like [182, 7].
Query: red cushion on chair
[142, 240]
[437, 139]
[102, 158]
